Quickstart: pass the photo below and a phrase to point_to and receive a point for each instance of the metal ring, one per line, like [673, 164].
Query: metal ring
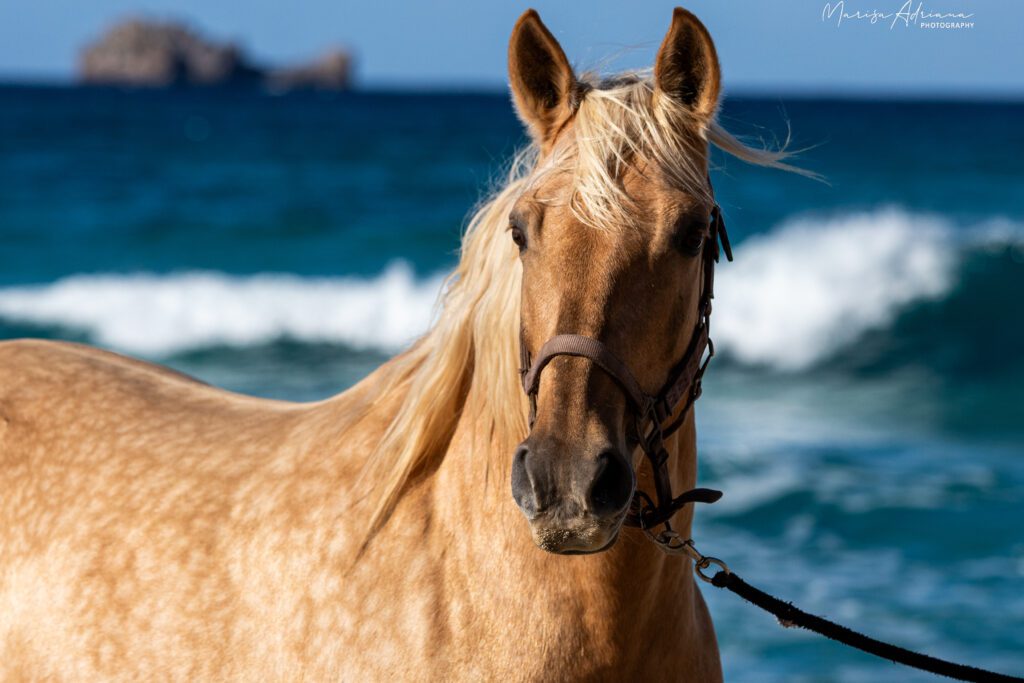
[706, 562]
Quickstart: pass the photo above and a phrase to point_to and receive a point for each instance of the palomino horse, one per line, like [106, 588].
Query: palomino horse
[156, 528]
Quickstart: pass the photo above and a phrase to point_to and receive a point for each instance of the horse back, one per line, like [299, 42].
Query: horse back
[65, 400]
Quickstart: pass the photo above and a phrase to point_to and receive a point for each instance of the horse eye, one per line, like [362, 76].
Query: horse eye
[691, 240]
[518, 237]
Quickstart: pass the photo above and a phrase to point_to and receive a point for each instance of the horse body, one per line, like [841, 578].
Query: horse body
[129, 500]
[155, 527]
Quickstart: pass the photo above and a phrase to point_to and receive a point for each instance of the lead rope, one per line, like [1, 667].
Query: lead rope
[790, 616]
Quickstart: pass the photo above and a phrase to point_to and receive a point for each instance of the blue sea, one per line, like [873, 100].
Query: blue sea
[865, 417]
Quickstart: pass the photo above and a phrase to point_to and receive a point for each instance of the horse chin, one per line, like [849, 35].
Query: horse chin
[580, 541]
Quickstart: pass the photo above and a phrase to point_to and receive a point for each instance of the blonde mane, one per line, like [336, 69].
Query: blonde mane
[472, 349]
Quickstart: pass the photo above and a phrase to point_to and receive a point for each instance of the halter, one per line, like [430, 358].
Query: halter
[653, 415]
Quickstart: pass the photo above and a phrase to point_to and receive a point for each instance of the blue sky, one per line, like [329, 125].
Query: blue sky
[782, 46]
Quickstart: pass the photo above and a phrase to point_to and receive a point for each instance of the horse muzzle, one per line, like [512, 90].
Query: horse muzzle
[575, 502]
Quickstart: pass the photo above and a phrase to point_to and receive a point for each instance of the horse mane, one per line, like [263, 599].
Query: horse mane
[472, 348]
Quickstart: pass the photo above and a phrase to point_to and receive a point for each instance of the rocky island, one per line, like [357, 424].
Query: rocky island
[141, 53]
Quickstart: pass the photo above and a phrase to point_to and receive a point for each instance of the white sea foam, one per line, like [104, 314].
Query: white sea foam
[793, 297]
[798, 294]
[161, 314]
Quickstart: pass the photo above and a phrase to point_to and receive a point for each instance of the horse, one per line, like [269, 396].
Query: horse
[153, 527]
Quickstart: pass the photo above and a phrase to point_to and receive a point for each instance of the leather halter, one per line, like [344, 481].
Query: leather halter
[653, 414]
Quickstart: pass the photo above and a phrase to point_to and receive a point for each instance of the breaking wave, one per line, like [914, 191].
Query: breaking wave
[793, 298]
[160, 315]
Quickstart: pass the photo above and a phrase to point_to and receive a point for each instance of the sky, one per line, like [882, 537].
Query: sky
[777, 47]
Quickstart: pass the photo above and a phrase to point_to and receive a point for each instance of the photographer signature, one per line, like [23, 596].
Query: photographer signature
[907, 14]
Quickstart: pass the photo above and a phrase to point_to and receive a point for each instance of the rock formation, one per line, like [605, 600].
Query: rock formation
[329, 72]
[138, 53]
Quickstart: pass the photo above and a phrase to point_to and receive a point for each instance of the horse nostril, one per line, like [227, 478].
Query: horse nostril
[522, 484]
[613, 486]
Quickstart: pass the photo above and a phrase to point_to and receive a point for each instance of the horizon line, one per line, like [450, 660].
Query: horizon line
[738, 91]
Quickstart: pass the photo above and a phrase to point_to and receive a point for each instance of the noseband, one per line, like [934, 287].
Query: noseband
[656, 417]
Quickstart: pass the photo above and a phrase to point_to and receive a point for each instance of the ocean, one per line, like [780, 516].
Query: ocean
[865, 417]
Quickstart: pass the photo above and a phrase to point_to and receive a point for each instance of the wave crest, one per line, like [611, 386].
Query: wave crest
[159, 315]
[793, 298]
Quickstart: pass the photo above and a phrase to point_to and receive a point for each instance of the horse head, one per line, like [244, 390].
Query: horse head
[611, 229]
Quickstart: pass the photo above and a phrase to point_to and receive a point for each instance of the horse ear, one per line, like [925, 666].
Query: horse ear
[686, 68]
[543, 84]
